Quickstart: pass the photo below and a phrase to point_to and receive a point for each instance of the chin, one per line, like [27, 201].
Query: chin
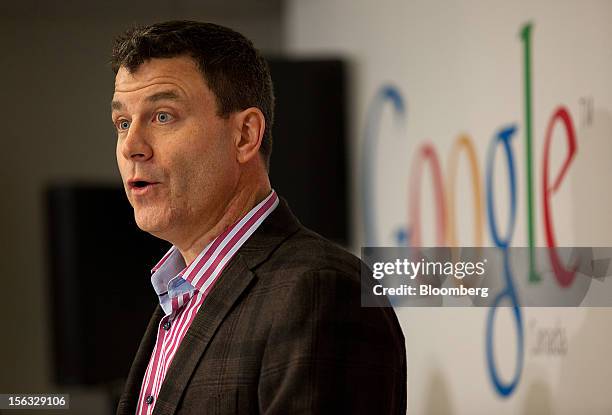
[151, 222]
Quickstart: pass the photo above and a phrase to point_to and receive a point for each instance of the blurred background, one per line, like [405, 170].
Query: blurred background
[373, 98]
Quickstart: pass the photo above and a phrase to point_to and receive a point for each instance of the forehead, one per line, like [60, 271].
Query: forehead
[178, 73]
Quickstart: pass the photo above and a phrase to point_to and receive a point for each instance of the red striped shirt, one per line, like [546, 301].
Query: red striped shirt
[201, 275]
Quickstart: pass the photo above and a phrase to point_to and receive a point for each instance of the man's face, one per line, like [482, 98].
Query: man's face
[176, 156]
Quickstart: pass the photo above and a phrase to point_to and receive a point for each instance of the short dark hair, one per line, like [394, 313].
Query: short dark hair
[233, 69]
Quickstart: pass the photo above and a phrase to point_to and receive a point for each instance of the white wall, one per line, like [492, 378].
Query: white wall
[459, 67]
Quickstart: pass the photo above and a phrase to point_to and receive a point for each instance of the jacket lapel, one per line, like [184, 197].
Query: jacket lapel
[231, 283]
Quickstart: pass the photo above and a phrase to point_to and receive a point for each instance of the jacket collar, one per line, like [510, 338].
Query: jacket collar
[273, 231]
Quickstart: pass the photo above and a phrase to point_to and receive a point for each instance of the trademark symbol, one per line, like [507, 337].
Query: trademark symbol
[586, 111]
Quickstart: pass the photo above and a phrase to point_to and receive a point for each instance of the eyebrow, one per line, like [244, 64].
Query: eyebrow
[163, 95]
[158, 96]
[116, 105]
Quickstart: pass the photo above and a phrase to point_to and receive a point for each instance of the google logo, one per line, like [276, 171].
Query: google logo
[482, 192]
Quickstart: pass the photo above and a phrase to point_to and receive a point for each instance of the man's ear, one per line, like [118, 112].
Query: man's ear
[251, 125]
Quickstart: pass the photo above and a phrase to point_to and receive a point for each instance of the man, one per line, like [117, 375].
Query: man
[257, 314]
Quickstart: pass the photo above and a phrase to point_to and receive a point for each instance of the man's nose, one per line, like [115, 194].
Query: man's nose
[136, 144]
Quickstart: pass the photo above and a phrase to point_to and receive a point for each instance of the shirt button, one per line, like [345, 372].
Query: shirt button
[149, 400]
[167, 325]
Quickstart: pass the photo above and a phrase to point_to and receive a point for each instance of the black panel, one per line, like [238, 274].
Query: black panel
[309, 155]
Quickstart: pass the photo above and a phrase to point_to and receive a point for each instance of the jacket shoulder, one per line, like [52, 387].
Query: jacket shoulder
[306, 252]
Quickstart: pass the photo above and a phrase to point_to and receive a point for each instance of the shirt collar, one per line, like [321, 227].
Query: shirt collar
[174, 282]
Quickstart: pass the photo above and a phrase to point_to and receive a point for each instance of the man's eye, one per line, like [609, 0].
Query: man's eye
[123, 125]
[163, 117]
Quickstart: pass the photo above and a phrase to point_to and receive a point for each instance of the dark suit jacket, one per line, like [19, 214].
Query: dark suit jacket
[282, 332]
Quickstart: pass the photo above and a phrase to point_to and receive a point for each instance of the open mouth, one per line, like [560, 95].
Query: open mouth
[140, 186]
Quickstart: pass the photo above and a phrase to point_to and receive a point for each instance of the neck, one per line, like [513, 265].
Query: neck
[243, 200]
